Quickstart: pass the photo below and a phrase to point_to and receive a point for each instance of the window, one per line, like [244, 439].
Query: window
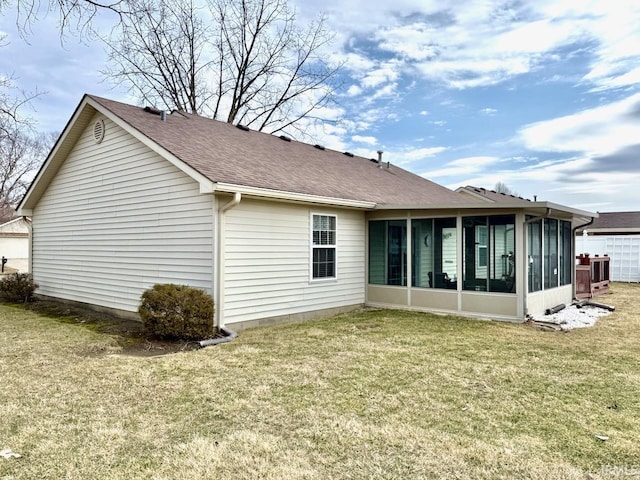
[549, 257]
[550, 253]
[565, 259]
[388, 252]
[323, 264]
[534, 259]
[489, 253]
[481, 246]
[434, 253]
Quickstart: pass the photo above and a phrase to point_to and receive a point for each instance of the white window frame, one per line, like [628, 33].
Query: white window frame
[313, 247]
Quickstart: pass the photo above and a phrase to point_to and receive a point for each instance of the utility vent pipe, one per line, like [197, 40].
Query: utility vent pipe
[163, 116]
[380, 152]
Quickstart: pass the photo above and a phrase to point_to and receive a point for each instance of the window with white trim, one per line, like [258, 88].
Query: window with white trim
[323, 246]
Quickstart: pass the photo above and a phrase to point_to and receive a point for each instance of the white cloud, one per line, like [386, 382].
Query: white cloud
[489, 111]
[407, 154]
[463, 166]
[421, 153]
[466, 44]
[367, 140]
[594, 131]
[383, 74]
[354, 90]
[605, 78]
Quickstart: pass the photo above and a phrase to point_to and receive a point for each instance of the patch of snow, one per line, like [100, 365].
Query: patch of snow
[8, 454]
[574, 317]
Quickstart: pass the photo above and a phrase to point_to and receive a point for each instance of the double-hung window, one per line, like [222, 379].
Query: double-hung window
[323, 247]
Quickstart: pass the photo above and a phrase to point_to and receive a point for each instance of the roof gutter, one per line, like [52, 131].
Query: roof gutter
[295, 197]
[573, 252]
[237, 196]
[29, 223]
[220, 274]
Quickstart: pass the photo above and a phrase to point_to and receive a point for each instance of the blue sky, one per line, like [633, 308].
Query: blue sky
[541, 95]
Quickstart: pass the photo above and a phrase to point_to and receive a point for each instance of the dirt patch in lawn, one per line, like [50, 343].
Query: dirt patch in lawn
[130, 334]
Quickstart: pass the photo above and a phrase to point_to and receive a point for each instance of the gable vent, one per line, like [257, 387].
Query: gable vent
[319, 147]
[348, 154]
[98, 131]
[242, 127]
[285, 138]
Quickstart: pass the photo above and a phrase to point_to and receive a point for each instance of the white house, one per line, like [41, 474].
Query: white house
[276, 229]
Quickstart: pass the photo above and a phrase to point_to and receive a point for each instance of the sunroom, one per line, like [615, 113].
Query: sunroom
[501, 263]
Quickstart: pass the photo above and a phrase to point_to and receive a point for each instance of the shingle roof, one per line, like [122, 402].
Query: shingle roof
[616, 221]
[492, 195]
[227, 154]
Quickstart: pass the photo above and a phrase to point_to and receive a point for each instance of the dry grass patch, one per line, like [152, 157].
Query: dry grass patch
[376, 394]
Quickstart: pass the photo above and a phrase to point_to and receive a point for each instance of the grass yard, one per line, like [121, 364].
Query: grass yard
[371, 395]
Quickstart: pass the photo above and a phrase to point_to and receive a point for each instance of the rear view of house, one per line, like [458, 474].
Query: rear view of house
[276, 229]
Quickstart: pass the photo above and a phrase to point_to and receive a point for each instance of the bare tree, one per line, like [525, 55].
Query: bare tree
[75, 15]
[242, 61]
[502, 187]
[12, 100]
[159, 52]
[21, 154]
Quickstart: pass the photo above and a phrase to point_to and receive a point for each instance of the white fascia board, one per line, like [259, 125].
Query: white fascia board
[576, 212]
[612, 230]
[42, 172]
[292, 196]
[527, 207]
[206, 185]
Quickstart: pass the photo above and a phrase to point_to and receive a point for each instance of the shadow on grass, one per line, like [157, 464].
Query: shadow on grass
[130, 334]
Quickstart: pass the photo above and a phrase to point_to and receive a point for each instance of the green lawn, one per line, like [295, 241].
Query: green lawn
[376, 394]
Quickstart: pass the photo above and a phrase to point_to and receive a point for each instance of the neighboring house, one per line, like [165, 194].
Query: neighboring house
[616, 234]
[14, 243]
[276, 229]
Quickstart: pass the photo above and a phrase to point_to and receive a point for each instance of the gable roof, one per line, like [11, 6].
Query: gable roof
[228, 156]
[614, 222]
[224, 158]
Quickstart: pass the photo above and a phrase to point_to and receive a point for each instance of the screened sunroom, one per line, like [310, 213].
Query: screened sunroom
[499, 263]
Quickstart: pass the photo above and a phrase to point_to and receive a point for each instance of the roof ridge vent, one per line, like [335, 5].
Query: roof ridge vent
[153, 110]
[319, 147]
[243, 127]
[348, 154]
[285, 138]
[180, 112]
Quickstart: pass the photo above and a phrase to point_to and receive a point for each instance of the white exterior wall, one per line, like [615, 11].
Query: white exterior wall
[117, 219]
[266, 267]
[13, 247]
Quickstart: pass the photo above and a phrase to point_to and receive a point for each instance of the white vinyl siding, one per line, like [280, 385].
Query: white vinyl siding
[117, 219]
[267, 262]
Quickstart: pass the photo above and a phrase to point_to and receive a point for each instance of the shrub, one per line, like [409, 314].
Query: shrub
[18, 287]
[177, 312]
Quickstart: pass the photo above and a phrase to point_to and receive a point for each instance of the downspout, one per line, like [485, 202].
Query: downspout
[573, 254]
[525, 241]
[237, 197]
[29, 223]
